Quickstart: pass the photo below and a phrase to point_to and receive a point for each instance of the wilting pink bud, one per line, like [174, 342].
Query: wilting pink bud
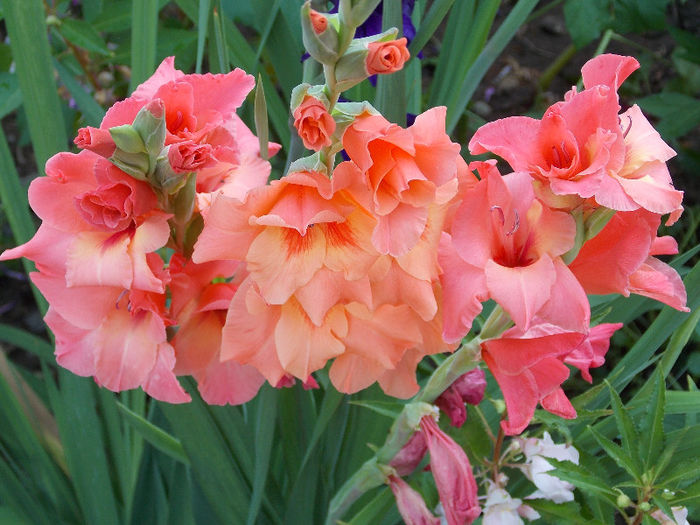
[468, 388]
[410, 455]
[310, 383]
[96, 140]
[453, 475]
[410, 503]
[471, 386]
[452, 404]
[187, 156]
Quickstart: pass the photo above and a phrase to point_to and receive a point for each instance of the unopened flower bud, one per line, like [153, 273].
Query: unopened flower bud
[386, 57]
[97, 140]
[623, 501]
[320, 34]
[644, 506]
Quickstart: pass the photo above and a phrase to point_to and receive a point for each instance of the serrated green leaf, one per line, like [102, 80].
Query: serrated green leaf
[652, 429]
[582, 478]
[690, 495]
[671, 443]
[682, 471]
[625, 425]
[84, 35]
[617, 453]
[156, 436]
[569, 511]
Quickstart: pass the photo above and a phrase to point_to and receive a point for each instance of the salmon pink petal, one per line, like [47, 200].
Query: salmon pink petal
[558, 404]
[161, 383]
[165, 73]
[608, 70]
[521, 291]
[281, 260]
[302, 347]
[463, 291]
[83, 306]
[421, 261]
[227, 233]
[197, 342]
[513, 139]
[665, 245]
[375, 342]
[127, 348]
[400, 381]
[99, 258]
[75, 347]
[591, 352]
[150, 236]
[644, 144]
[606, 262]
[659, 281]
[47, 249]
[248, 335]
[568, 307]
[396, 233]
[328, 288]
[396, 287]
[651, 188]
[223, 93]
[229, 383]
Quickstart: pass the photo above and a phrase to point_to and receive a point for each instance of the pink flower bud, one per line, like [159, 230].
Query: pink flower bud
[187, 156]
[410, 503]
[453, 475]
[318, 22]
[313, 123]
[386, 57]
[469, 388]
[96, 140]
[410, 455]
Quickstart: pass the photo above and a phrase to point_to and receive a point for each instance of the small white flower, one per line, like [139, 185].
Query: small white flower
[502, 509]
[680, 516]
[536, 465]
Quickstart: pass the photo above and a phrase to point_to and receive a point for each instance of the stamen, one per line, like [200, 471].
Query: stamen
[501, 216]
[629, 127]
[516, 223]
[565, 153]
[557, 157]
[121, 296]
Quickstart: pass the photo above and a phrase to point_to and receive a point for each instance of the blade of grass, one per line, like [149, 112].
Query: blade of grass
[26, 27]
[488, 56]
[91, 110]
[437, 12]
[27, 341]
[221, 53]
[202, 30]
[265, 411]
[390, 99]
[144, 33]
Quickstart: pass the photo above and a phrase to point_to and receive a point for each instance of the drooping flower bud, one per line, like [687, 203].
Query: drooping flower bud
[410, 455]
[452, 473]
[468, 388]
[410, 504]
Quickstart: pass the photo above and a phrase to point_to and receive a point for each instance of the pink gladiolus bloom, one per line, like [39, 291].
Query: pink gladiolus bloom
[583, 147]
[410, 504]
[410, 455]
[401, 173]
[198, 306]
[529, 368]
[453, 475]
[506, 245]
[620, 260]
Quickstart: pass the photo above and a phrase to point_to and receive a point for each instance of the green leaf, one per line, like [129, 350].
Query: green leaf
[617, 453]
[26, 27]
[144, 33]
[376, 509]
[679, 113]
[156, 436]
[202, 30]
[625, 425]
[569, 511]
[84, 35]
[690, 495]
[492, 50]
[596, 13]
[390, 98]
[437, 12]
[10, 94]
[261, 126]
[652, 428]
[27, 341]
[582, 479]
[266, 409]
[91, 110]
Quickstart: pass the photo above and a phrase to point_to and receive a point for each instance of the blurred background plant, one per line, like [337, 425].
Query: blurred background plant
[71, 452]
